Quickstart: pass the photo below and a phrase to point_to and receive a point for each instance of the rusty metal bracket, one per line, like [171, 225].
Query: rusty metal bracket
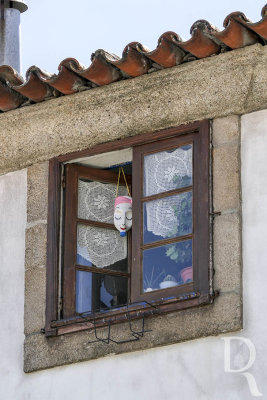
[214, 295]
[215, 214]
[135, 334]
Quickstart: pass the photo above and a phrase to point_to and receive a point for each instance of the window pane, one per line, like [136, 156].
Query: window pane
[168, 217]
[167, 266]
[97, 292]
[96, 200]
[101, 248]
[168, 170]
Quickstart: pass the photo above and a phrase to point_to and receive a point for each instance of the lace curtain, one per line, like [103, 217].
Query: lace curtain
[102, 247]
[164, 216]
[164, 171]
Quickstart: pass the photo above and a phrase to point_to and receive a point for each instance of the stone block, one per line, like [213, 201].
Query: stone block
[36, 239]
[226, 177]
[226, 130]
[37, 192]
[227, 253]
[34, 307]
[258, 85]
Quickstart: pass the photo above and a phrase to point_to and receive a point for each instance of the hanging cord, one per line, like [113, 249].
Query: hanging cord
[128, 190]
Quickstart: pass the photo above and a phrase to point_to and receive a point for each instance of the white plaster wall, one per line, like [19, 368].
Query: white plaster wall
[12, 248]
[187, 371]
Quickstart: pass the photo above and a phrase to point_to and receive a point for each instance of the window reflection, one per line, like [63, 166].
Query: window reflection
[167, 266]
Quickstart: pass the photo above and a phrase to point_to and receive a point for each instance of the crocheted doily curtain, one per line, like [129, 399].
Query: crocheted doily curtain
[164, 171]
[102, 247]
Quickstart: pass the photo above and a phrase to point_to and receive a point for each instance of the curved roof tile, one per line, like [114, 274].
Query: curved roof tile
[136, 60]
[202, 43]
[100, 72]
[167, 54]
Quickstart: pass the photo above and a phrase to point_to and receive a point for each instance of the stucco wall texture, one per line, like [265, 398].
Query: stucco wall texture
[191, 370]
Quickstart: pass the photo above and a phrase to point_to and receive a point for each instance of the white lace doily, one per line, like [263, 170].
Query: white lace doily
[102, 247]
[163, 214]
[162, 172]
[161, 169]
[96, 200]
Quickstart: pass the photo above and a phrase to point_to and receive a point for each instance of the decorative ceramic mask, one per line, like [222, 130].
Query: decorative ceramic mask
[123, 214]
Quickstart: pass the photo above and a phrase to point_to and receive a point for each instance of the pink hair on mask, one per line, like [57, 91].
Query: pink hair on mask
[123, 199]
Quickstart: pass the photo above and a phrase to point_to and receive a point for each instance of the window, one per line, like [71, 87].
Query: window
[164, 261]
[96, 267]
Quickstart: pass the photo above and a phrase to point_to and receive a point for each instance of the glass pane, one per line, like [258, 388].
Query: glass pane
[168, 170]
[96, 200]
[98, 292]
[167, 266]
[168, 217]
[101, 248]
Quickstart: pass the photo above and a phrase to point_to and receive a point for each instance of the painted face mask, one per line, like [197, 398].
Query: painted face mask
[123, 214]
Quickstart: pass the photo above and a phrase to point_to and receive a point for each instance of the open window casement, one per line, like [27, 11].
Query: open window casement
[165, 259]
[96, 267]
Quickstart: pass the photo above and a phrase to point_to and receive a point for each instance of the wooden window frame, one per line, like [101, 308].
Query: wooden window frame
[73, 173]
[199, 292]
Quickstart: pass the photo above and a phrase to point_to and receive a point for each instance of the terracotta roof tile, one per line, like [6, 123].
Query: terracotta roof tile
[34, 88]
[167, 54]
[206, 40]
[134, 61]
[100, 72]
[260, 28]
[202, 43]
[236, 33]
[66, 82]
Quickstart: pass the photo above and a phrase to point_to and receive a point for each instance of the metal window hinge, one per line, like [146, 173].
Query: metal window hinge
[60, 305]
[63, 181]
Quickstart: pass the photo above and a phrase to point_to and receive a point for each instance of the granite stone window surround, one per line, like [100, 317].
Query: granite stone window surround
[169, 261]
[224, 315]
